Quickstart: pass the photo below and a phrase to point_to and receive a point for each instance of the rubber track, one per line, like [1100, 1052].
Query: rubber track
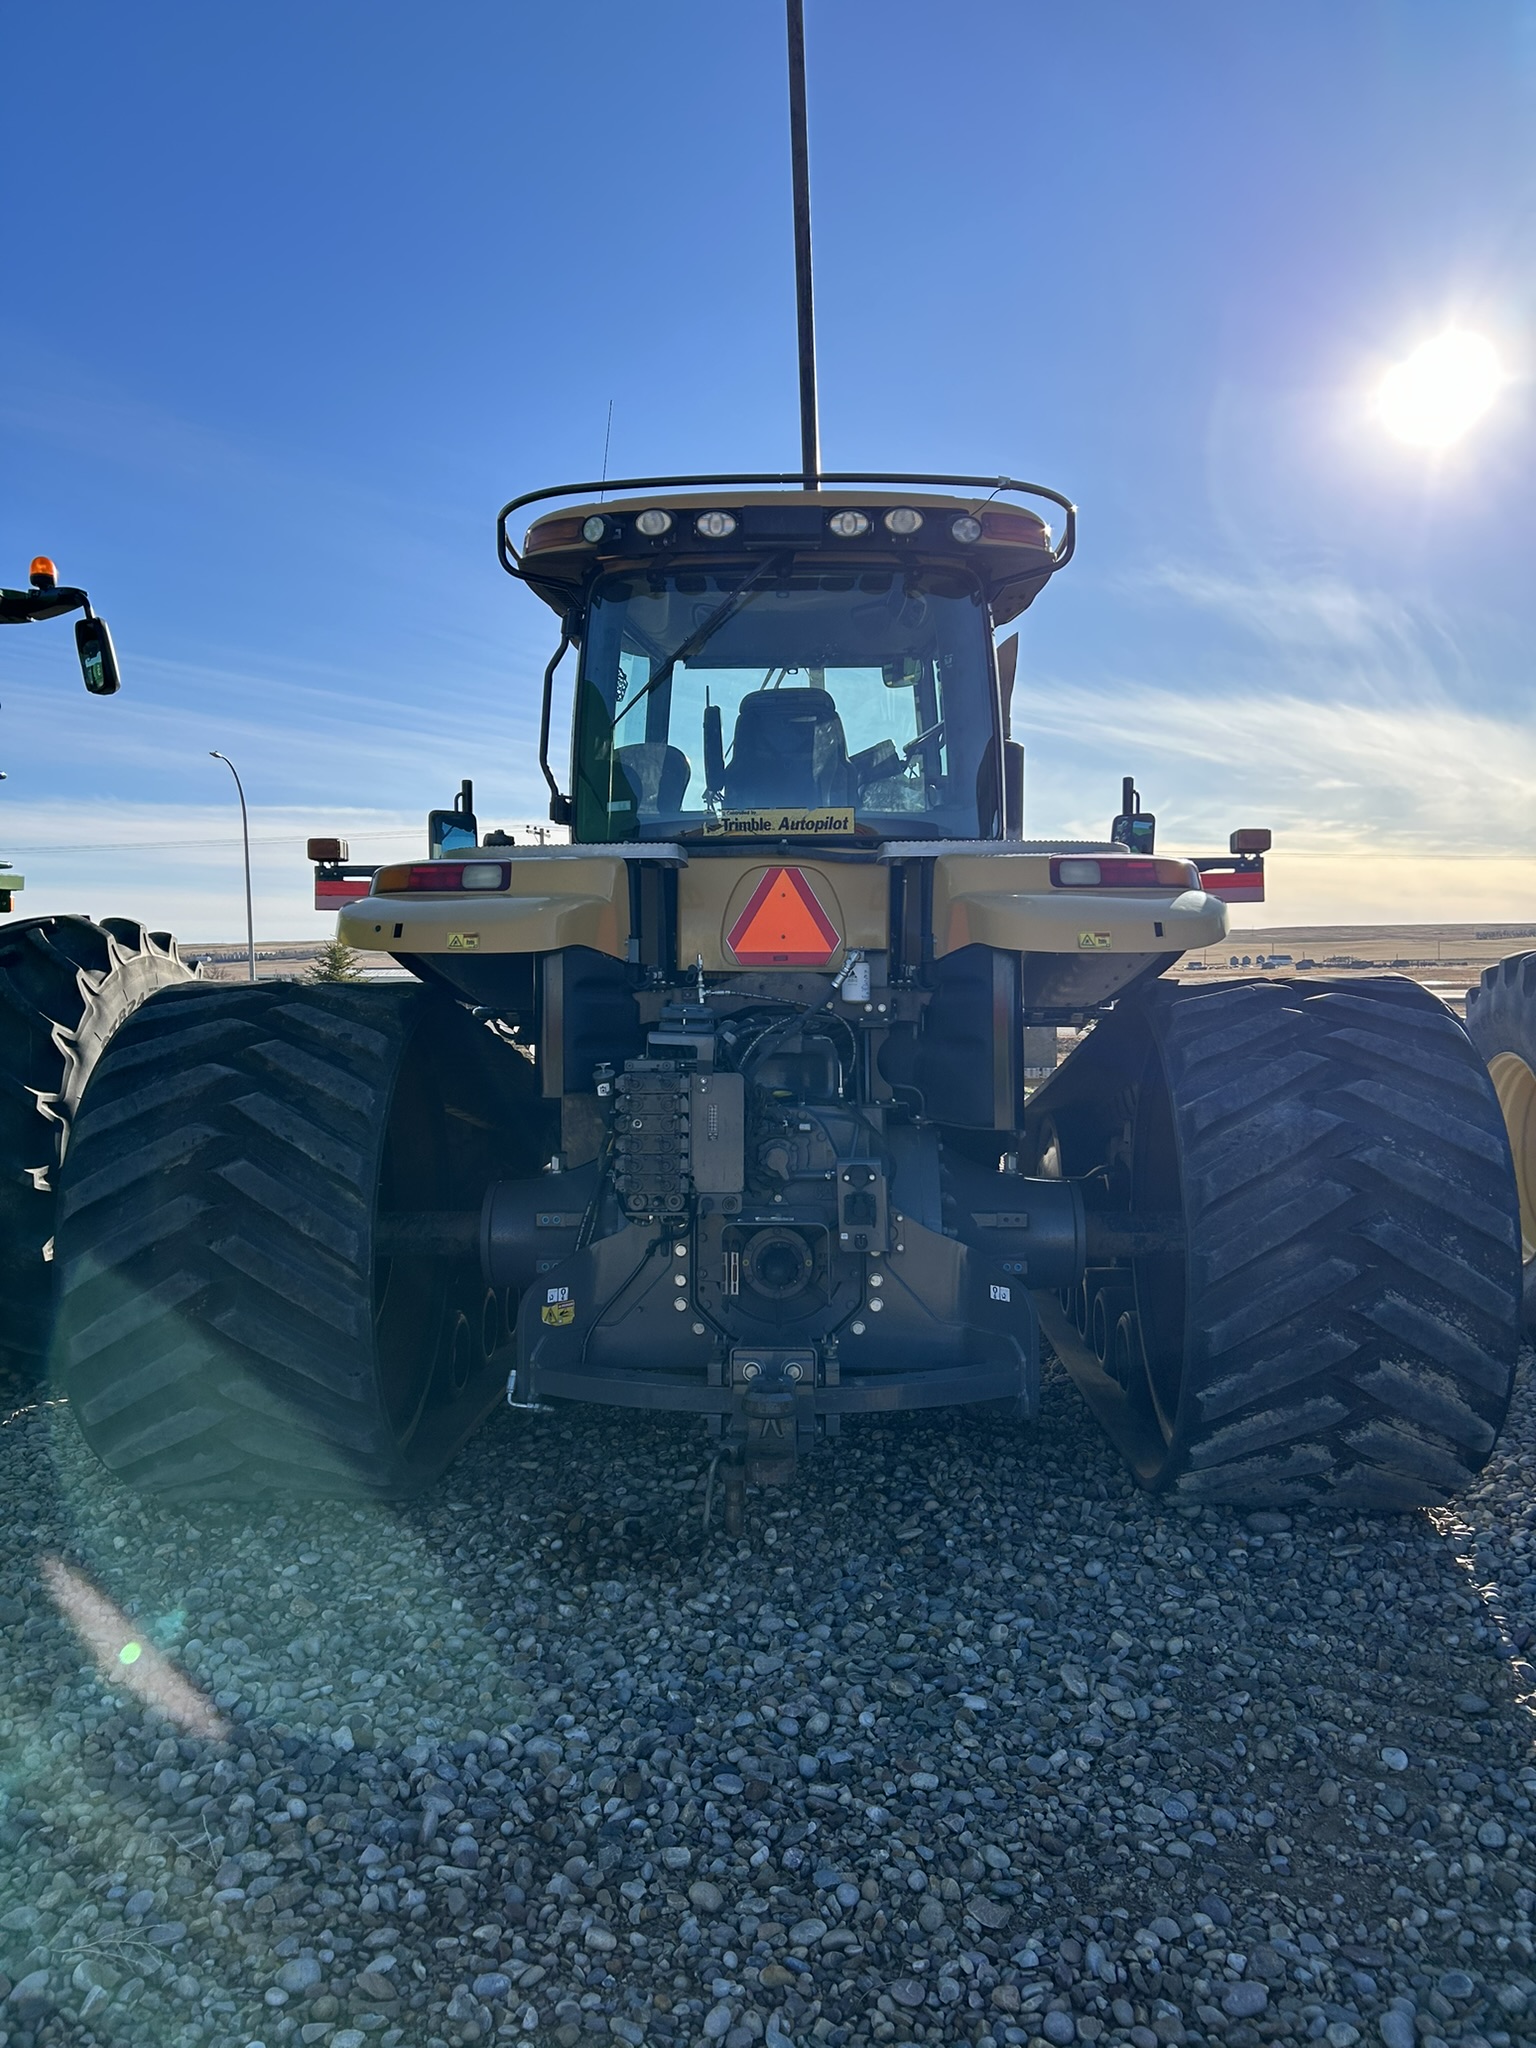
[66, 986]
[215, 1242]
[1354, 1244]
[1501, 1017]
[1353, 1269]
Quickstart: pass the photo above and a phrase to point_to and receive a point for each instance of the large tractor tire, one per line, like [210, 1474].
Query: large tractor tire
[1323, 1304]
[236, 1318]
[1501, 1022]
[66, 986]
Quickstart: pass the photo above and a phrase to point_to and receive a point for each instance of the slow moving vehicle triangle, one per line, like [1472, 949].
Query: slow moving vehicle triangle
[783, 925]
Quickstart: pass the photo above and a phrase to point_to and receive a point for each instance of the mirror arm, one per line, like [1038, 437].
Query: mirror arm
[24, 607]
[559, 805]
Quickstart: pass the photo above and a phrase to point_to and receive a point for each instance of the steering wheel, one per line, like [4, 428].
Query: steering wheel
[913, 747]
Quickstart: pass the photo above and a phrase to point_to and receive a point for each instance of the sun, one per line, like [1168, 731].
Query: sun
[1441, 390]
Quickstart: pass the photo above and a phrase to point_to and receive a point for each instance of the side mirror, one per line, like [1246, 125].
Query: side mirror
[451, 832]
[98, 660]
[1134, 827]
[454, 831]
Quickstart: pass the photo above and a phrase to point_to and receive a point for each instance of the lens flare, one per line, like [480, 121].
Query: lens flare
[1441, 390]
[124, 1658]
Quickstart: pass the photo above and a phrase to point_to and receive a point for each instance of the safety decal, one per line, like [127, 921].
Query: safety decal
[558, 1312]
[1093, 942]
[1001, 1293]
[783, 925]
[463, 942]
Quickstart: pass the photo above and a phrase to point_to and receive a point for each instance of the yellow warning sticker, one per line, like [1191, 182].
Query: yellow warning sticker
[1093, 942]
[463, 942]
[558, 1312]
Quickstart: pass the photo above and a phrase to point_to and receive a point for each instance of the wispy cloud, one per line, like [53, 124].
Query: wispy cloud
[1345, 717]
[1425, 776]
[1318, 615]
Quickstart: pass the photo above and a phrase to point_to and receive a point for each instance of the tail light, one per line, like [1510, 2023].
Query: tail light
[1080, 871]
[439, 878]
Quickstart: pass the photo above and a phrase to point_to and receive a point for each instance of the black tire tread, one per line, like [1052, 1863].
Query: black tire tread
[1354, 1246]
[216, 1244]
[1343, 1326]
[66, 987]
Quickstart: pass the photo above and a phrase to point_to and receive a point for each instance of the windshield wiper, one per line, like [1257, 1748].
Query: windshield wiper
[707, 628]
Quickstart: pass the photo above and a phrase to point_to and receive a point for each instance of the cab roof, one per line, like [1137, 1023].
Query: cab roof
[662, 521]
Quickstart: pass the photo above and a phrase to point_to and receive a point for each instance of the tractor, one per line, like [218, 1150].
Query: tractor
[720, 1108]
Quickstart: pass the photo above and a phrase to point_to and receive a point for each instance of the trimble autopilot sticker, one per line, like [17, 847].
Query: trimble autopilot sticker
[771, 824]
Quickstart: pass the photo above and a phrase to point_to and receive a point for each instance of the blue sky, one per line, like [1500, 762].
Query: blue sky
[298, 295]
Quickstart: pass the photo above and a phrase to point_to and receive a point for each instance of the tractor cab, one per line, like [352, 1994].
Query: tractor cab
[815, 663]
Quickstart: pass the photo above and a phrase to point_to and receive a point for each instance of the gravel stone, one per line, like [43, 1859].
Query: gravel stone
[29, 1994]
[609, 1778]
[1244, 2001]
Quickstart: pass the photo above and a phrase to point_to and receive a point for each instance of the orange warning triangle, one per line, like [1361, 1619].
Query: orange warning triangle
[783, 925]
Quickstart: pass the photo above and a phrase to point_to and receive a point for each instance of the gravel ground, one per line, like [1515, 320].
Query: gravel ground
[966, 1740]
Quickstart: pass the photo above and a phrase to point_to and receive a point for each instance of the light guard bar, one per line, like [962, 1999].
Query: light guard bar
[511, 560]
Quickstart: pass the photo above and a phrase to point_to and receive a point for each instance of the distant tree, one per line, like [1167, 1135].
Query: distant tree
[335, 961]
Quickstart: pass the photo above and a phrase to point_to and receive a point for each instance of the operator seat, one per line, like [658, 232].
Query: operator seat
[789, 748]
[658, 775]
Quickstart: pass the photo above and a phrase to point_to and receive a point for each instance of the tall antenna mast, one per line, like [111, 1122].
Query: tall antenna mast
[810, 439]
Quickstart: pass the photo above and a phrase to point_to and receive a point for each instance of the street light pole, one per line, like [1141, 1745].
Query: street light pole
[245, 834]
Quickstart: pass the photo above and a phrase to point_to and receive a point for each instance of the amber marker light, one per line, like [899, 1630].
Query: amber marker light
[42, 573]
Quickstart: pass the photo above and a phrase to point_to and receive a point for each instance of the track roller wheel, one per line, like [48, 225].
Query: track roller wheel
[1340, 1327]
[230, 1325]
[66, 984]
[1501, 1022]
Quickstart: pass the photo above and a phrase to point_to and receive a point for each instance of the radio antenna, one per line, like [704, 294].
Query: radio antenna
[810, 440]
